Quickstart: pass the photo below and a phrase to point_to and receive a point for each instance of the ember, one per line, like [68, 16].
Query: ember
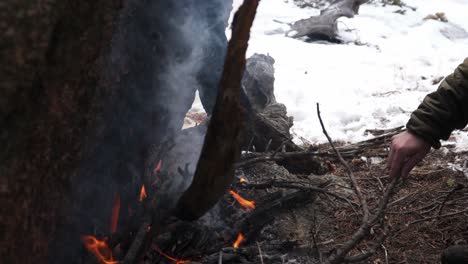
[143, 194]
[239, 240]
[242, 180]
[175, 260]
[99, 249]
[245, 203]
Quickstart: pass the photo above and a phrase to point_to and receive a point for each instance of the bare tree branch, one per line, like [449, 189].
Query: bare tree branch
[367, 221]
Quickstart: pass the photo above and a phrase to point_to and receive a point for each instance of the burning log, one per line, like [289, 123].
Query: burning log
[175, 260]
[221, 149]
[100, 249]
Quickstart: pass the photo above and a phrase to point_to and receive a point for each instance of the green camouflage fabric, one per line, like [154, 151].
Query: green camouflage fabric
[444, 110]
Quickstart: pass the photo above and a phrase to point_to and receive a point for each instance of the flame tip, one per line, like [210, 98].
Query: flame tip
[239, 240]
[99, 248]
[250, 205]
[143, 194]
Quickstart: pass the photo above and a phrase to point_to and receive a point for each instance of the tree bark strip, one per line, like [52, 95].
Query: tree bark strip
[51, 62]
[221, 149]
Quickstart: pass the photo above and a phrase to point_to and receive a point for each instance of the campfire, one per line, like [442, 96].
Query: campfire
[217, 219]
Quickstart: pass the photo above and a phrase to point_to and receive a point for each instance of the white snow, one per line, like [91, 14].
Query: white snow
[376, 79]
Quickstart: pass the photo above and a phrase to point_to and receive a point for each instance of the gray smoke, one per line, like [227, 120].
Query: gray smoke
[162, 52]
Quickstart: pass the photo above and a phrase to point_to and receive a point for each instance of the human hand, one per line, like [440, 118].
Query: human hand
[406, 151]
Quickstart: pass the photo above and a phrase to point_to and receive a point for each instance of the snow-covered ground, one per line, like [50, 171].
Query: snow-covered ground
[375, 80]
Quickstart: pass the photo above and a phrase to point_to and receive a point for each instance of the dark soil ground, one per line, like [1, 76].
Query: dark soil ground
[424, 216]
[427, 214]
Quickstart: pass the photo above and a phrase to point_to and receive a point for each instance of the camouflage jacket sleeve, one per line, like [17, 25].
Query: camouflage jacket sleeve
[444, 110]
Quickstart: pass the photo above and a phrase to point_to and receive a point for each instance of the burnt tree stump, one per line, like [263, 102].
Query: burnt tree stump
[268, 125]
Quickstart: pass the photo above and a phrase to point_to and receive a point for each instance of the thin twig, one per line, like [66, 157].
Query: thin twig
[295, 185]
[260, 253]
[386, 253]
[456, 188]
[250, 143]
[357, 189]
[365, 255]
[437, 217]
[363, 231]
[267, 148]
[281, 147]
[253, 158]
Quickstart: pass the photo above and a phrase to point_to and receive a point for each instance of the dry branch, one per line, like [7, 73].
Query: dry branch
[297, 186]
[221, 149]
[438, 217]
[367, 221]
[357, 189]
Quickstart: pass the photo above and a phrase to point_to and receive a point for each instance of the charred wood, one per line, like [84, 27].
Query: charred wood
[221, 149]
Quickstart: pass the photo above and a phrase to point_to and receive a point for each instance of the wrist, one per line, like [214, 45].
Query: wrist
[427, 139]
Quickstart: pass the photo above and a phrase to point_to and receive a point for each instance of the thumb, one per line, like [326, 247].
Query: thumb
[396, 163]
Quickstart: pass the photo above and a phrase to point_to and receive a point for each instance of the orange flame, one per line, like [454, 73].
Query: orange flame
[156, 171]
[176, 261]
[242, 180]
[143, 194]
[115, 214]
[99, 249]
[245, 203]
[158, 167]
[239, 240]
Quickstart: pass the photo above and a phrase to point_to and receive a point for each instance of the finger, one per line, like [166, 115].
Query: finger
[390, 157]
[410, 164]
[397, 163]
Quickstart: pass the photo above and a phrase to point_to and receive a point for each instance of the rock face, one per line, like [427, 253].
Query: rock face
[268, 119]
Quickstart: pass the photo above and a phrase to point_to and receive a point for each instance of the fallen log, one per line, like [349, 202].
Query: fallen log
[325, 25]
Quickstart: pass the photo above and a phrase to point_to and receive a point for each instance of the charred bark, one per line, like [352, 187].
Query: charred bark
[52, 60]
[268, 123]
[222, 146]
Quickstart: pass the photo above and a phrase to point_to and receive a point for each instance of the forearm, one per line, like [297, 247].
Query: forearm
[443, 110]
